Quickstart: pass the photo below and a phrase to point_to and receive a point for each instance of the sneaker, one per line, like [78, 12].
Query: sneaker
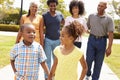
[87, 78]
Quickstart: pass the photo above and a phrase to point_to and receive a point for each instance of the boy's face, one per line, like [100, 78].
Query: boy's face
[52, 6]
[29, 34]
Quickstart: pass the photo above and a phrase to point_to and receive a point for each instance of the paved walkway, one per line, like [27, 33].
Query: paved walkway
[6, 73]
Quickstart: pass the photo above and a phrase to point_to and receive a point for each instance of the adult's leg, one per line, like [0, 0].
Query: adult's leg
[54, 45]
[99, 57]
[48, 52]
[90, 54]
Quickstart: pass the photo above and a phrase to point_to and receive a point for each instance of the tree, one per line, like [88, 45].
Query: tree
[116, 6]
[4, 6]
[8, 1]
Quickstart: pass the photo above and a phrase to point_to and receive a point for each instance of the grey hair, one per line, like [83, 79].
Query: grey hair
[33, 3]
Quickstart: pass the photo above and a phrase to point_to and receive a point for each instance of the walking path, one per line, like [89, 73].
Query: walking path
[6, 73]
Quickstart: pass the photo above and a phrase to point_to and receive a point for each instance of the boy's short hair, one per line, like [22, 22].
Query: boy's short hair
[50, 1]
[24, 25]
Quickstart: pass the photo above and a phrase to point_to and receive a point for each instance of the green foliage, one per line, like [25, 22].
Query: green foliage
[117, 25]
[6, 27]
[116, 6]
[116, 35]
[8, 1]
[113, 61]
[6, 43]
[10, 18]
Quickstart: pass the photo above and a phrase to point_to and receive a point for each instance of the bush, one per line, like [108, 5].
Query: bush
[116, 35]
[7, 27]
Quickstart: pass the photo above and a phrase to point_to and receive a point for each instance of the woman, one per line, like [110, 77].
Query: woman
[76, 9]
[36, 20]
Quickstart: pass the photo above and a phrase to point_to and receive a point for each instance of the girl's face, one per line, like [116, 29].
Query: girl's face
[65, 38]
[52, 6]
[33, 8]
[75, 10]
[29, 34]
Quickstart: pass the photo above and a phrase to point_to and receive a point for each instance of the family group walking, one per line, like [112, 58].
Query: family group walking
[62, 46]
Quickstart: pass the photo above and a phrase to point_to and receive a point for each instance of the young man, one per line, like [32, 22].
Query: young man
[52, 21]
[101, 26]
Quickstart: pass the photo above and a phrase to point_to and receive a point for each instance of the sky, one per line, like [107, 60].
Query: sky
[90, 5]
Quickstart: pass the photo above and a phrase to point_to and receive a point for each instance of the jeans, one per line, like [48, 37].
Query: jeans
[95, 52]
[49, 46]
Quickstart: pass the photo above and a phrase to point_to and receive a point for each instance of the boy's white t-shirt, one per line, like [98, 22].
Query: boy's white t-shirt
[82, 20]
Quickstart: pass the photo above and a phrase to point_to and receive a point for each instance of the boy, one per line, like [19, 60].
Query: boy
[26, 55]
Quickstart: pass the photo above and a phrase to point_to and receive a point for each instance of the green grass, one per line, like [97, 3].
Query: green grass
[113, 61]
[6, 43]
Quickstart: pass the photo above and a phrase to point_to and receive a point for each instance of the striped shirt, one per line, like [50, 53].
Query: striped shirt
[27, 58]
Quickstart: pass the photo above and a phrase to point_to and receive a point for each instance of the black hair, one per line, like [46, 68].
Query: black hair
[80, 5]
[28, 13]
[74, 29]
[51, 1]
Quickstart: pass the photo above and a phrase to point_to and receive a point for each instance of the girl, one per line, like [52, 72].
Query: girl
[76, 8]
[67, 55]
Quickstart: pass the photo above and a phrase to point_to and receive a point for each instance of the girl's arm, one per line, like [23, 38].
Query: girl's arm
[13, 65]
[19, 35]
[84, 68]
[52, 71]
[45, 67]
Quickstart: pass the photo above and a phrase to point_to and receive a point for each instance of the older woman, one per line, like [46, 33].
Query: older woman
[35, 19]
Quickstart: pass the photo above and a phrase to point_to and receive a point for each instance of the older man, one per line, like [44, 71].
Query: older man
[101, 26]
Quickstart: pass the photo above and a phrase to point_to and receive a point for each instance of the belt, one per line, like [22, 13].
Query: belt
[98, 37]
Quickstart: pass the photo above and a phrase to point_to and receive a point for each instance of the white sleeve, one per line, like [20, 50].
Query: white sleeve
[85, 24]
[67, 21]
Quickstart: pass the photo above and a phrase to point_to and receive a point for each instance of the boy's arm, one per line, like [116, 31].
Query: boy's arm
[84, 68]
[52, 71]
[13, 65]
[45, 67]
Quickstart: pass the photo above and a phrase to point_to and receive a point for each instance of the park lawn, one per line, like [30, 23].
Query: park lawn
[6, 43]
[113, 61]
